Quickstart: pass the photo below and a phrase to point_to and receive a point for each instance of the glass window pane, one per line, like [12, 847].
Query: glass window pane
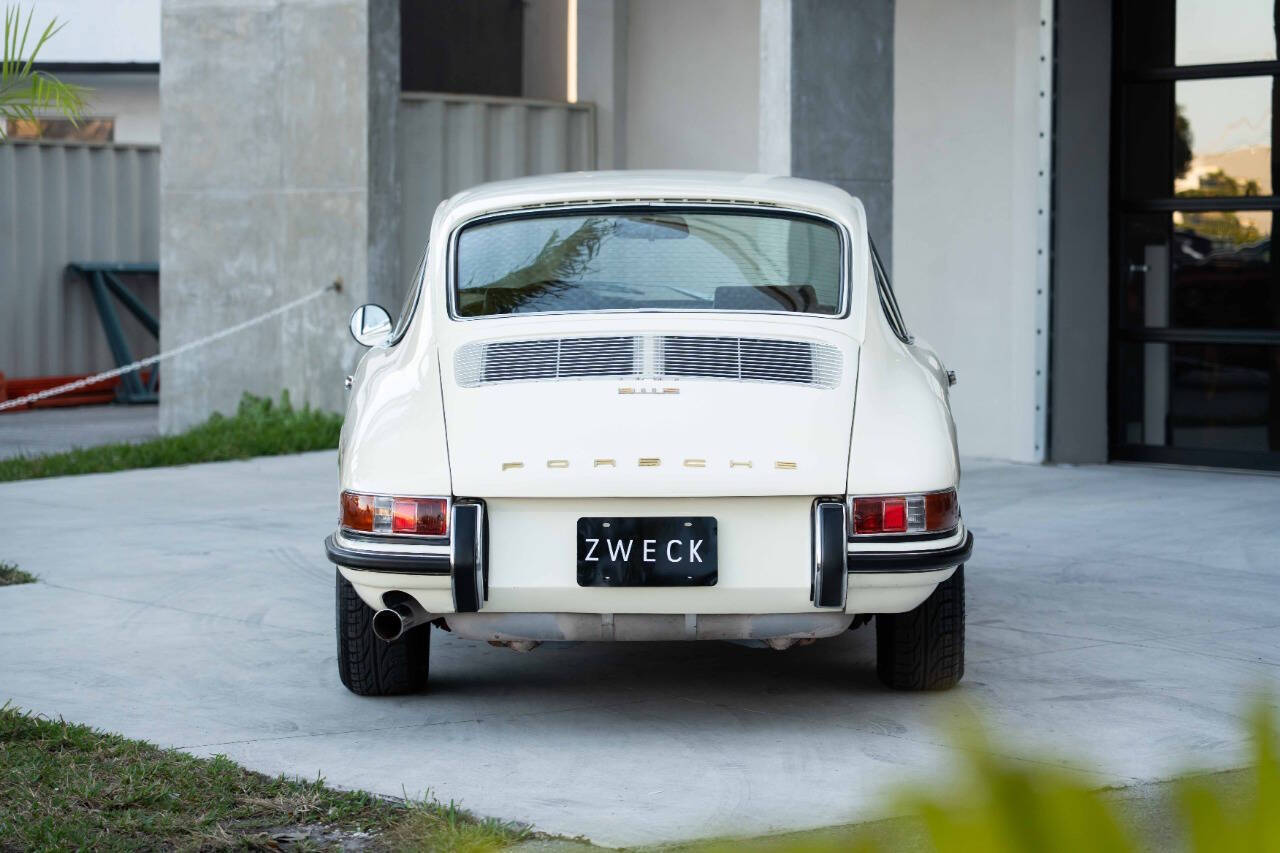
[1213, 31]
[1200, 270]
[1202, 396]
[665, 260]
[1222, 272]
[1222, 137]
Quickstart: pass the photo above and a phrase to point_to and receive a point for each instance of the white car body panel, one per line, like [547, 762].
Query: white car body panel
[708, 437]
[913, 438]
[541, 454]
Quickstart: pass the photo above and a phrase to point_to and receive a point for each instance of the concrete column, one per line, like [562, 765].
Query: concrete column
[842, 102]
[1082, 145]
[265, 197]
[387, 282]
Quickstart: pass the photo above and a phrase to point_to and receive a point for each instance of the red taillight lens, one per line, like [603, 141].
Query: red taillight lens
[420, 516]
[894, 517]
[385, 514]
[923, 513]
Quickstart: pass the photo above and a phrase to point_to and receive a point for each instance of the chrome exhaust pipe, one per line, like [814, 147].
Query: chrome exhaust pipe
[390, 623]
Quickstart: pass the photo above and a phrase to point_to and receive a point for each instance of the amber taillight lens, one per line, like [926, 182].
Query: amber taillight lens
[357, 511]
[930, 512]
[395, 515]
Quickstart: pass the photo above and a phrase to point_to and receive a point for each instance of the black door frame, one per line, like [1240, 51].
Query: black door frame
[1119, 333]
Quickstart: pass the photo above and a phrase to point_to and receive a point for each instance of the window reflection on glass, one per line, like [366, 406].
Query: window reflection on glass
[1201, 270]
[1213, 31]
[1202, 396]
[1222, 273]
[659, 260]
[1222, 137]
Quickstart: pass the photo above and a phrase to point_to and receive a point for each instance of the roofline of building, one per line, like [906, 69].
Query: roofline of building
[98, 67]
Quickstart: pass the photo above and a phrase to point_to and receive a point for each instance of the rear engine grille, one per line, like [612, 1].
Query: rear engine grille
[666, 357]
[550, 358]
[749, 360]
[598, 357]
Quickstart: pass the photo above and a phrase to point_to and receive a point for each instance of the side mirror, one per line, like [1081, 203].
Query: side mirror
[370, 325]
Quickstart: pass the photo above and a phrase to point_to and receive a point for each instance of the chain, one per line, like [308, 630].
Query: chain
[165, 356]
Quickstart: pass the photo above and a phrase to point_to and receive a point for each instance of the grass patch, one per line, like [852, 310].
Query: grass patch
[260, 427]
[11, 574]
[65, 786]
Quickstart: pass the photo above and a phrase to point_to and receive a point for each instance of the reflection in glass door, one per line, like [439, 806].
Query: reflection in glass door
[1195, 316]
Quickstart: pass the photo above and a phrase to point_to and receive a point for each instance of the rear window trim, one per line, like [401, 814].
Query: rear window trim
[846, 254]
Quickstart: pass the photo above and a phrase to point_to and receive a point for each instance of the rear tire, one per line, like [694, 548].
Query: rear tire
[368, 666]
[923, 649]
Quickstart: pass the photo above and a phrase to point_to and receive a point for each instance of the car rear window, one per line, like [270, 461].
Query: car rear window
[648, 260]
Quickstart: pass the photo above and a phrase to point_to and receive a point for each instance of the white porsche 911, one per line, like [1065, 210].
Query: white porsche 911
[648, 406]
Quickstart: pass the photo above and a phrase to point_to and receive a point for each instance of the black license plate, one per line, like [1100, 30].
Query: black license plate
[667, 551]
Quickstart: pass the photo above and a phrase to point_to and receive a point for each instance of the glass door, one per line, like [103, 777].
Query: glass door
[1195, 312]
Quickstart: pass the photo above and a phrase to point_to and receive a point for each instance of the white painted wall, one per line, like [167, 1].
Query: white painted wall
[964, 206]
[602, 74]
[693, 83]
[773, 138]
[133, 100]
[545, 49]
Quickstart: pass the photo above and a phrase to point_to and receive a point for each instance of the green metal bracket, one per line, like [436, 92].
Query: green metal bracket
[104, 282]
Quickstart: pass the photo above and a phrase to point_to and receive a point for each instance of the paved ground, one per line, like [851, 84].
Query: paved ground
[1119, 615]
[52, 430]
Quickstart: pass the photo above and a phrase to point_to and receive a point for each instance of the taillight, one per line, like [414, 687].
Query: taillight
[924, 513]
[387, 514]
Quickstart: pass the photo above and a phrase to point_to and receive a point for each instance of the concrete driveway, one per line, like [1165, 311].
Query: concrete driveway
[1121, 616]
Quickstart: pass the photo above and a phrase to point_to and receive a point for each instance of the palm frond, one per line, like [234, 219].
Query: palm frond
[24, 91]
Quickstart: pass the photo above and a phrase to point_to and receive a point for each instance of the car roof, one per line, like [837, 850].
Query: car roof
[649, 185]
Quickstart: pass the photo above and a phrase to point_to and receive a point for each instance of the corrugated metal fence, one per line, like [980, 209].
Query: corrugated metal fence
[450, 142]
[63, 202]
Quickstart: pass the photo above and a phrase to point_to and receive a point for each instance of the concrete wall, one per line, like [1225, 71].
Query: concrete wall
[264, 195]
[693, 84]
[842, 103]
[965, 206]
[1078, 389]
[64, 202]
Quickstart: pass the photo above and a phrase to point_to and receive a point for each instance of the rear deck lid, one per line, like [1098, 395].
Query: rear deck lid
[671, 412]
